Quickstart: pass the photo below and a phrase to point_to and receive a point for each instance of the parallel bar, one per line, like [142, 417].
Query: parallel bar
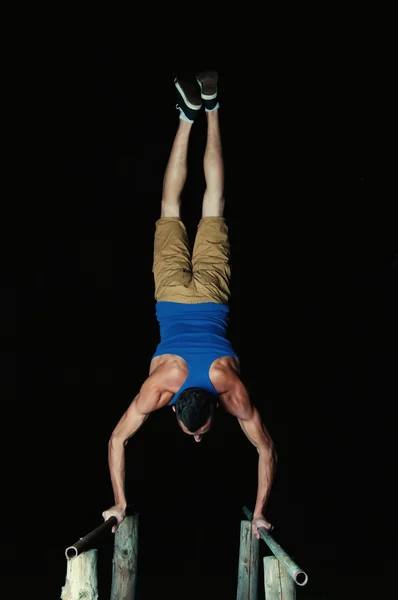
[297, 574]
[85, 542]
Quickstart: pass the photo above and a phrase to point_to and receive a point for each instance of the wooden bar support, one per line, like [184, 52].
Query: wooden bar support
[124, 564]
[248, 563]
[278, 584]
[81, 577]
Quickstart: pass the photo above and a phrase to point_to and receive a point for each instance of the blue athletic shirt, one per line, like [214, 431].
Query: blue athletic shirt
[198, 334]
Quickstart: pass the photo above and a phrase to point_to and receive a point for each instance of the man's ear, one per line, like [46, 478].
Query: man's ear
[174, 408]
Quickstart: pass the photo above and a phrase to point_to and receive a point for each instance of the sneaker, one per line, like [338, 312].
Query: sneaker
[207, 81]
[189, 101]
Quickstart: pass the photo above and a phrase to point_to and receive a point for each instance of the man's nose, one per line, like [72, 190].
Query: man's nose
[197, 438]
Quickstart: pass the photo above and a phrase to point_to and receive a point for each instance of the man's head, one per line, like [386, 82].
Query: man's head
[195, 408]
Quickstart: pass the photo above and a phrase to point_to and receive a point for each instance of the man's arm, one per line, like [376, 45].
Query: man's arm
[146, 401]
[257, 434]
[128, 425]
[237, 402]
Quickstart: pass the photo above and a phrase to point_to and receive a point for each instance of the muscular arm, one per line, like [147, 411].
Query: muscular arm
[237, 402]
[145, 402]
[258, 435]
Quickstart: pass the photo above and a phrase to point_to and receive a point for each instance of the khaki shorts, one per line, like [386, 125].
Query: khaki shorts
[204, 277]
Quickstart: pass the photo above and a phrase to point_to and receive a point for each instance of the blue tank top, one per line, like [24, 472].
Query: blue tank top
[198, 334]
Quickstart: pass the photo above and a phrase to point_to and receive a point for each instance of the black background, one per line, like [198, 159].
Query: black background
[313, 318]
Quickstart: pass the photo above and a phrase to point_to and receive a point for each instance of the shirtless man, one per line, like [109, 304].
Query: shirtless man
[194, 367]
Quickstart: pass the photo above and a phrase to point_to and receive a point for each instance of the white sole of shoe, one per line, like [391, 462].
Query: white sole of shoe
[187, 102]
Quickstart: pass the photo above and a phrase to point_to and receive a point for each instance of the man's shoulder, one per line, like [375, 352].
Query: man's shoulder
[168, 361]
[225, 376]
[167, 372]
[226, 367]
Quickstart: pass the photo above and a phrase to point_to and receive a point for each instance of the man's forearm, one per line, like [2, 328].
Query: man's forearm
[116, 461]
[266, 472]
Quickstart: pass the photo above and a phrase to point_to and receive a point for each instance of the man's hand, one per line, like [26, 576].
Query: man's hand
[115, 511]
[260, 521]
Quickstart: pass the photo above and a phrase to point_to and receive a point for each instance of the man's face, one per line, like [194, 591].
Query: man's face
[197, 435]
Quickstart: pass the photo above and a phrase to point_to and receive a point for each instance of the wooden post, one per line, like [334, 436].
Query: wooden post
[248, 563]
[254, 566]
[124, 564]
[81, 577]
[278, 584]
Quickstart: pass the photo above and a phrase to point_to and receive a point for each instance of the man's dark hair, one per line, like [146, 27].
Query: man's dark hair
[194, 406]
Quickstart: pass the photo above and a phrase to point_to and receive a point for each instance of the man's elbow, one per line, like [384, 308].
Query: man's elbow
[117, 441]
[267, 448]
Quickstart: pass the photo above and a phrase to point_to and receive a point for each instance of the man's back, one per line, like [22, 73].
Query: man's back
[196, 334]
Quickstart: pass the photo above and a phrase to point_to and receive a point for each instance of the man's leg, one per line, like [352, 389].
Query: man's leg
[175, 175]
[213, 164]
[211, 252]
[176, 172]
[172, 258]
